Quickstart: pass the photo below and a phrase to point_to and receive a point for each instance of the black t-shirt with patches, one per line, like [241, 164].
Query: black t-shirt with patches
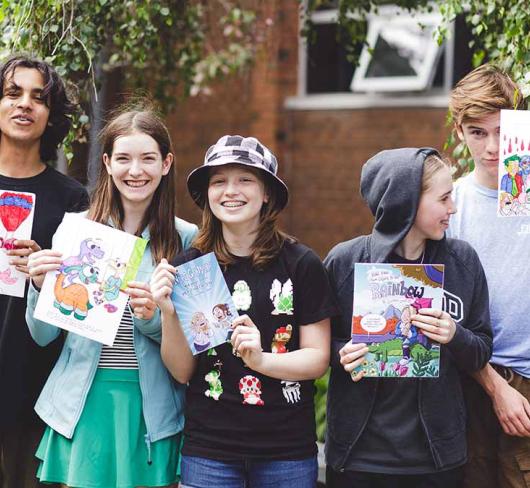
[235, 413]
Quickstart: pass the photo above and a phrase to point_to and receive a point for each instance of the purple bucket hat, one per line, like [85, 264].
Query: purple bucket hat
[247, 151]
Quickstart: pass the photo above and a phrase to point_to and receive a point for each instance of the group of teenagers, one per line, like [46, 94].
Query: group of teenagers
[147, 413]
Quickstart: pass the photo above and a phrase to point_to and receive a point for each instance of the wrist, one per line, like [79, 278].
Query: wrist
[491, 381]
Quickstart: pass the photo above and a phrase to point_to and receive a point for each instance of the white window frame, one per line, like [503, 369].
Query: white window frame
[391, 16]
[349, 100]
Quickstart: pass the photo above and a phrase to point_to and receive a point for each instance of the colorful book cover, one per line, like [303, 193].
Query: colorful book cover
[514, 164]
[86, 294]
[384, 298]
[203, 303]
[16, 221]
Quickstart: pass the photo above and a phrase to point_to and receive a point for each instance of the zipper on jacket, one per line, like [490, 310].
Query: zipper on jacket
[424, 425]
[148, 444]
[348, 452]
[140, 382]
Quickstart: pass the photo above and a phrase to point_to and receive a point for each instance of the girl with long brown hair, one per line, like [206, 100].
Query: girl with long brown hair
[114, 414]
[249, 414]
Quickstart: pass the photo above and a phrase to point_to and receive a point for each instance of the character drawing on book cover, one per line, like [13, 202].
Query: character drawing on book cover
[202, 332]
[514, 164]
[386, 298]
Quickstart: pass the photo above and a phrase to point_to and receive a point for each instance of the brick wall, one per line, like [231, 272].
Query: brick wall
[320, 152]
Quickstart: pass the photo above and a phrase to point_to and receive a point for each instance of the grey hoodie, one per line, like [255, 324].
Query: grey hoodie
[391, 186]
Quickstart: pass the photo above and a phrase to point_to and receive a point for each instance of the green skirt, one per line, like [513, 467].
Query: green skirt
[108, 449]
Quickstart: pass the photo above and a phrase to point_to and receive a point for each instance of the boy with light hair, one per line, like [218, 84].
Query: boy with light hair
[498, 400]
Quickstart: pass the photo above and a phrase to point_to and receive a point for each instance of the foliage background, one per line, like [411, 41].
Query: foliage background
[173, 48]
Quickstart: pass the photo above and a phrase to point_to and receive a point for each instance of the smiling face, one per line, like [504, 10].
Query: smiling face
[482, 138]
[23, 112]
[236, 195]
[136, 167]
[435, 207]
[219, 313]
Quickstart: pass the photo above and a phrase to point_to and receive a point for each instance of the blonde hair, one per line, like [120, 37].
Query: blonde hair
[432, 164]
[485, 90]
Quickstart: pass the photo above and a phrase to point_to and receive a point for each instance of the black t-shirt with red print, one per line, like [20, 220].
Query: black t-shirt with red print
[235, 413]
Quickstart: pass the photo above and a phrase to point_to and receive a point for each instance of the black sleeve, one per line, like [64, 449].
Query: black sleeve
[472, 344]
[338, 327]
[79, 201]
[185, 256]
[313, 298]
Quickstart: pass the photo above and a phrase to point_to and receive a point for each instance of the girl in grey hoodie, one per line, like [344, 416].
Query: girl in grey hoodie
[408, 432]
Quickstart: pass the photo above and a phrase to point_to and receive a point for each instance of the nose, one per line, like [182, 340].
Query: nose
[135, 169]
[492, 144]
[452, 207]
[232, 187]
[24, 101]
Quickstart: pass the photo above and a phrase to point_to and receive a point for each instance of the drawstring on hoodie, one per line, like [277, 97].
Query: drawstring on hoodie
[148, 444]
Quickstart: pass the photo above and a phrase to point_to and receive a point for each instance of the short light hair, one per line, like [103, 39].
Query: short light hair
[432, 164]
[484, 91]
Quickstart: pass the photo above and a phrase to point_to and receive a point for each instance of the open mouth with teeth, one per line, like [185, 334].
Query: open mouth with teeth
[233, 204]
[23, 118]
[136, 184]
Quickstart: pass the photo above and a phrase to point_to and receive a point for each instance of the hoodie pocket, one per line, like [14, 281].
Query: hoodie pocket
[523, 461]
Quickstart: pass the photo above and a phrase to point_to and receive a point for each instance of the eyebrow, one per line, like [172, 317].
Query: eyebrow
[11, 85]
[151, 153]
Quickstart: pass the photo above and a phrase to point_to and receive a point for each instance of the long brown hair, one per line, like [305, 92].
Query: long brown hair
[269, 238]
[106, 202]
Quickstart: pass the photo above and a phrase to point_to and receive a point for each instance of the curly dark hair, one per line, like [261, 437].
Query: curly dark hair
[61, 108]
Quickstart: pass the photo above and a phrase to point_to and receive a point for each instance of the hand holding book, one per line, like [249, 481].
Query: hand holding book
[436, 324]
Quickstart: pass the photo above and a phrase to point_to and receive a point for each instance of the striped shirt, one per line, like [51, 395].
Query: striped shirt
[121, 355]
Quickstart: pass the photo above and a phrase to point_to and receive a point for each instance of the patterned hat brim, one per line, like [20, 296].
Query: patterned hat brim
[197, 181]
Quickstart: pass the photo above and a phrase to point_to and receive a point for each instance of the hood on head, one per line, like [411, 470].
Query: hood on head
[391, 186]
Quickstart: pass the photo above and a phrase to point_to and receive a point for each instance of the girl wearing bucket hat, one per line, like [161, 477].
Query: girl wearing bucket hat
[249, 404]
[406, 432]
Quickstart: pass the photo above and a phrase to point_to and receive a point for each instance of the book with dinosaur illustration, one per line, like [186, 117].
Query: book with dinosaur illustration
[385, 297]
[203, 303]
[16, 221]
[86, 295]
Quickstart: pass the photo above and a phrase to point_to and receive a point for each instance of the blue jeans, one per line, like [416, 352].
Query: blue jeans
[198, 472]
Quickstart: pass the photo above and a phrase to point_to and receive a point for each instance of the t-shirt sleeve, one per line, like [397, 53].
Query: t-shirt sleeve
[314, 299]
[79, 201]
[185, 256]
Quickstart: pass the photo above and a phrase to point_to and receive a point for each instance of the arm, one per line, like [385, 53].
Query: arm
[41, 332]
[471, 340]
[174, 348]
[39, 263]
[307, 363]
[146, 315]
[512, 408]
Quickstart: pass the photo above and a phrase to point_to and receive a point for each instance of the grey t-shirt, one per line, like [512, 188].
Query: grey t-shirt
[503, 245]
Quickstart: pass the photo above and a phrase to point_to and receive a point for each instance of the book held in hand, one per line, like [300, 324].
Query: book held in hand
[384, 299]
[203, 303]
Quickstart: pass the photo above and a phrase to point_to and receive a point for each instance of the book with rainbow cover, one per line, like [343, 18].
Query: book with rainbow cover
[384, 298]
